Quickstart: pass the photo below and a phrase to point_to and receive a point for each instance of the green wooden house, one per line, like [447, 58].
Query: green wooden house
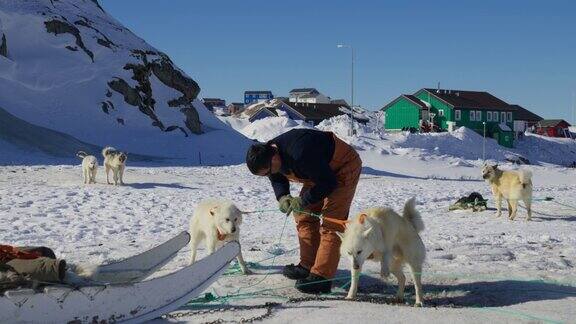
[442, 109]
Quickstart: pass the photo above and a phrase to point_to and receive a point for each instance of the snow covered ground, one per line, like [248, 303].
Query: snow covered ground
[479, 268]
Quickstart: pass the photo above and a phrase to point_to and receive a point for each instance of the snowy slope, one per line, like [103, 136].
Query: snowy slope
[72, 68]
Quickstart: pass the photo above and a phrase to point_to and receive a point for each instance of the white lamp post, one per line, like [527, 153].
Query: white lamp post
[484, 143]
[351, 131]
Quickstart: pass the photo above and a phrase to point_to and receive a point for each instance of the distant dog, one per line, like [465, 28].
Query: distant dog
[116, 161]
[381, 235]
[89, 167]
[216, 221]
[512, 185]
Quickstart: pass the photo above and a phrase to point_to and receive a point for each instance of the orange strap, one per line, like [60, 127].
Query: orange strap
[8, 253]
[342, 222]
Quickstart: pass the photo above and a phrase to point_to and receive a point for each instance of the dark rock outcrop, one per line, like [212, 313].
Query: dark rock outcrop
[130, 94]
[164, 70]
[61, 27]
[132, 97]
[142, 96]
[107, 106]
[4, 46]
[192, 121]
[104, 41]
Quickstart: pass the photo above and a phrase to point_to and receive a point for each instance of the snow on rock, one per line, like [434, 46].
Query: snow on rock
[69, 66]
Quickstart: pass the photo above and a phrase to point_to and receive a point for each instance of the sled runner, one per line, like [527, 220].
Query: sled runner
[127, 302]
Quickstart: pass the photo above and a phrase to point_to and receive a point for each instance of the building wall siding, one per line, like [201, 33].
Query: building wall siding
[437, 105]
[403, 113]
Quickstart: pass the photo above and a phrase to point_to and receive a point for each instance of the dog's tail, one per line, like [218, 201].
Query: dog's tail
[81, 154]
[412, 215]
[107, 150]
[525, 177]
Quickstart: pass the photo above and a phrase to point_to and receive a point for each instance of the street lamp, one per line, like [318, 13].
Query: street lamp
[484, 142]
[351, 131]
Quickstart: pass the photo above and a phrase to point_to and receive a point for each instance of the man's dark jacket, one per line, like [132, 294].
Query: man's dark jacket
[306, 153]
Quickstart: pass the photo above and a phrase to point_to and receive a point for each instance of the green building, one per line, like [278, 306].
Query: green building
[441, 109]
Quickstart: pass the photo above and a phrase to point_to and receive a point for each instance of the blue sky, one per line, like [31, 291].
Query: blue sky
[521, 51]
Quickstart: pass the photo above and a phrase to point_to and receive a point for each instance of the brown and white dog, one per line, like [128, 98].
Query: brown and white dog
[216, 222]
[116, 161]
[512, 185]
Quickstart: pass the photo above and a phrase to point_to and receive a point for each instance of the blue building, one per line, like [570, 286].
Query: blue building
[251, 97]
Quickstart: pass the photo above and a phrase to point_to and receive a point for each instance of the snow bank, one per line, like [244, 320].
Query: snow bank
[267, 128]
[463, 142]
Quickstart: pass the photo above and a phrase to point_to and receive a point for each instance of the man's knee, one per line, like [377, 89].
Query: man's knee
[41, 269]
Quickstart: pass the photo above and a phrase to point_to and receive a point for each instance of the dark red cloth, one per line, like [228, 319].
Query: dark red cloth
[8, 253]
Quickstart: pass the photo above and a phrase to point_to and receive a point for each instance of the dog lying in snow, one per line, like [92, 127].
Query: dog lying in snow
[89, 167]
[512, 185]
[381, 235]
[116, 161]
[216, 221]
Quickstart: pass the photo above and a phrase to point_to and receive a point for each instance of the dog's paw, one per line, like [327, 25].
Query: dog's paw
[350, 297]
[419, 304]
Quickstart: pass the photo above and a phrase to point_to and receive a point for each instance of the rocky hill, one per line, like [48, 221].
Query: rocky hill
[68, 66]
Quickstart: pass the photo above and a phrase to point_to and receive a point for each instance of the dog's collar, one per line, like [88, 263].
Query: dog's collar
[220, 235]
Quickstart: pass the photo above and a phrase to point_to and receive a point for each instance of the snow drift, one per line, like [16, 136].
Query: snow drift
[70, 67]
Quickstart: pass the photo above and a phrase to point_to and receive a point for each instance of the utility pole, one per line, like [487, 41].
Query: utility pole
[484, 143]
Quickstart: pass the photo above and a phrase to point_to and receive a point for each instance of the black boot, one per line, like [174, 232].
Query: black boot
[295, 272]
[314, 284]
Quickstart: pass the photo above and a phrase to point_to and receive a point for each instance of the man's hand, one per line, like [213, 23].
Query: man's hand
[288, 204]
[284, 204]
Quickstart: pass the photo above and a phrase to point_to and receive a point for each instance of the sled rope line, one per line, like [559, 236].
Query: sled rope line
[273, 258]
[223, 300]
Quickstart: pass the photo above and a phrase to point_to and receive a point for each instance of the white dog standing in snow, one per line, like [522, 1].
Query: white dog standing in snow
[380, 234]
[89, 167]
[512, 185]
[216, 221]
[116, 161]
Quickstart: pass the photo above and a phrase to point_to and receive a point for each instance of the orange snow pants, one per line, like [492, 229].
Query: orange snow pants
[319, 244]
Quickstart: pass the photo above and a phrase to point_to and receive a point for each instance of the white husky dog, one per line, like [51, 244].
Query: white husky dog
[89, 167]
[512, 185]
[116, 161]
[381, 235]
[216, 221]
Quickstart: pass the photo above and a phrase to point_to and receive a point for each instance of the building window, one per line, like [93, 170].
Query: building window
[472, 115]
[489, 116]
[509, 116]
[495, 115]
[503, 117]
[440, 113]
[457, 114]
[478, 115]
